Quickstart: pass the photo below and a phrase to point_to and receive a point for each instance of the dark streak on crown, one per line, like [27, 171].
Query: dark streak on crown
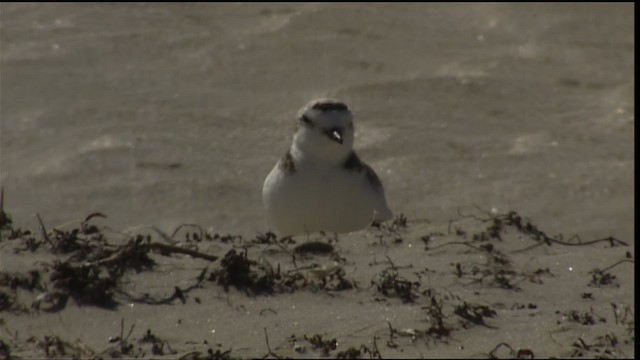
[306, 121]
[286, 163]
[329, 106]
[353, 163]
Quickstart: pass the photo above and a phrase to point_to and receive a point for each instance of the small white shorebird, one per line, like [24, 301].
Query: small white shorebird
[320, 184]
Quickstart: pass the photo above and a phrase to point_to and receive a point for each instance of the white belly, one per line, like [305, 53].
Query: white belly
[332, 200]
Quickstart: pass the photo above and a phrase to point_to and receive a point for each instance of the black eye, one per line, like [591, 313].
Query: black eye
[305, 119]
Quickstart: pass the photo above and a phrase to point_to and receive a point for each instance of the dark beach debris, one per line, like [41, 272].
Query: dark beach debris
[228, 238]
[435, 316]
[43, 230]
[132, 255]
[623, 315]
[54, 347]
[399, 222]
[407, 332]
[268, 310]
[208, 355]
[499, 271]
[92, 259]
[94, 282]
[314, 247]
[5, 219]
[504, 279]
[529, 306]
[170, 239]
[324, 345]
[373, 353]
[499, 222]
[254, 278]
[511, 352]
[475, 313]
[30, 281]
[196, 237]
[266, 238]
[157, 344]
[350, 353]
[437, 330]
[536, 276]
[513, 219]
[390, 229]
[9, 303]
[236, 270]
[50, 301]
[123, 348]
[603, 347]
[92, 271]
[177, 294]
[270, 352]
[5, 350]
[81, 241]
[493, 274]
[602, 278]
[87, 285]
[584, 318]
[317, 343]
[332, 278]
[6, 301]
[27, 239]
[390, 284]
[586, 295]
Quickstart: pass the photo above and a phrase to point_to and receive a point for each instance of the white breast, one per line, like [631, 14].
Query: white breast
[315, 199]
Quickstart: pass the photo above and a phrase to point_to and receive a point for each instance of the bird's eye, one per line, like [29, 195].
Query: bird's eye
[305, 119]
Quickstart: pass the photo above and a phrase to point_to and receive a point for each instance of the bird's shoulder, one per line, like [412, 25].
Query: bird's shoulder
[353, 163]
[286, 164]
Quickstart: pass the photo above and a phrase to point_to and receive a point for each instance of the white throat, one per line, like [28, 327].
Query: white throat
[308, 146]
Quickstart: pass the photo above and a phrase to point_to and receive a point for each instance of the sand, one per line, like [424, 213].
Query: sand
[158, 115]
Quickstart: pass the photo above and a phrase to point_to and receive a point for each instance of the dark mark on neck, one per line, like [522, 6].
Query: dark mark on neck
[287, 164]
[353, 163]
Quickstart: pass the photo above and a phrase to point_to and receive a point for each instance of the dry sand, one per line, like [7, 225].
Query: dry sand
[166, 114]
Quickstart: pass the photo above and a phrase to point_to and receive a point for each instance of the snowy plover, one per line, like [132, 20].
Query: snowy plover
[320, 184]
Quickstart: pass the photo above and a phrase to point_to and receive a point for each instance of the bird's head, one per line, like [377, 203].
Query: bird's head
[325, 130]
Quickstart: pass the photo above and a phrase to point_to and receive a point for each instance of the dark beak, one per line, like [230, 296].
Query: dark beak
[334, 134]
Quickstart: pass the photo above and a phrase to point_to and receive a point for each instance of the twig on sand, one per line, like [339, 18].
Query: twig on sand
[547, 240]
[187, 225]
[179, 250]
[43, 230]
[270, 353]
[492, 352]
[3, 216]
[169, 239]
[614, 265]
[155, 246]
[456, 243]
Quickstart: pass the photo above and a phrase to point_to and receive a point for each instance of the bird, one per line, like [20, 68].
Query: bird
[320, 184]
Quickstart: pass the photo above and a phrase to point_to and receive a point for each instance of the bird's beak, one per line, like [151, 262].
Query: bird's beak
[334, 134]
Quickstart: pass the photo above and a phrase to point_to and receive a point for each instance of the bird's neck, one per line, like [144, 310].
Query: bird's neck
[320, 158]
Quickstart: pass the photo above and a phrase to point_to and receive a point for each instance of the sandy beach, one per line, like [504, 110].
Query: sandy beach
[135, 139]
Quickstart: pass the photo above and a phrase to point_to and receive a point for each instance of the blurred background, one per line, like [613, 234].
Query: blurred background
[170, 113]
